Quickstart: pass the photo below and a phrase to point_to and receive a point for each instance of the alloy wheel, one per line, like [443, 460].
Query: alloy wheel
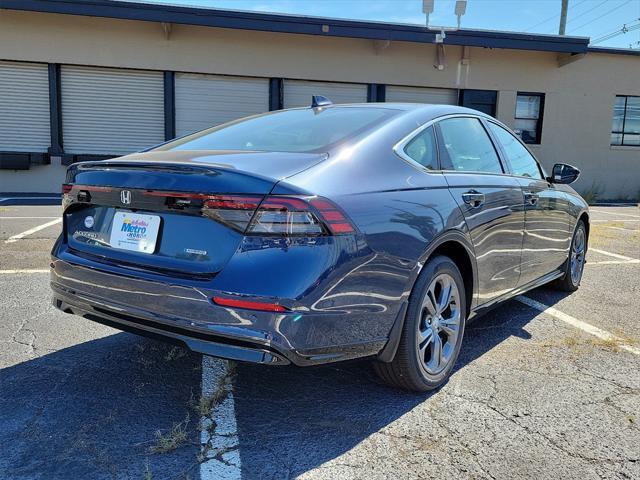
[577, 256]
[439, 324]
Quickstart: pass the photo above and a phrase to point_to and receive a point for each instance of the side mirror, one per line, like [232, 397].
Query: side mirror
[563, 173]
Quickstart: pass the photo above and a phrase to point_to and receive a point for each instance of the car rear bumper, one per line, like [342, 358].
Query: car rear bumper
[196, 340]
[182, 312]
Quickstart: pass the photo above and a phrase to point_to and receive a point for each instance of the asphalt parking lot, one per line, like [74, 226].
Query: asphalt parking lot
[547, 386]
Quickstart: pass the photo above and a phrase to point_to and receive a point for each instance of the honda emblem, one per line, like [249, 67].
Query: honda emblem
[125, 197]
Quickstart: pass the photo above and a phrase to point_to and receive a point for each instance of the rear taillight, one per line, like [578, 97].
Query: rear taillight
[235, 211]
[285, 216]
[277, 215]
[281, 215]
[66, 188]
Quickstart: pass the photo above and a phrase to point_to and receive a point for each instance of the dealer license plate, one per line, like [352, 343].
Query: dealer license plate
[134, 231]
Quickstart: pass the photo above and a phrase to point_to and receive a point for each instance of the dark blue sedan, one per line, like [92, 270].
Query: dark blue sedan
[320, 234]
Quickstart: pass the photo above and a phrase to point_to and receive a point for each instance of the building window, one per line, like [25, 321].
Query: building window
[528, 122]
[482, 100]
[625, 129]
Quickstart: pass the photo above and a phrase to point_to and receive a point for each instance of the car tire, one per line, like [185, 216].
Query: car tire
[574, 265]
[432, 332]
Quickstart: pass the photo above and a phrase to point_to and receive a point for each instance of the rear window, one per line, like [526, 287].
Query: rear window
[304, 130]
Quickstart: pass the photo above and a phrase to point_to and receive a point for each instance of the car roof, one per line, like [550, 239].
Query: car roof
[426, 110]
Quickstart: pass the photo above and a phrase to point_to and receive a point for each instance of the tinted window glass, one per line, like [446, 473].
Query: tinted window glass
[522, 162]
[467, 146]
[303, 130]
[422, 149]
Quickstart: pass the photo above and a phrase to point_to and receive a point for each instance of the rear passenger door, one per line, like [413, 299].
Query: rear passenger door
[548, 221]
[492, 202]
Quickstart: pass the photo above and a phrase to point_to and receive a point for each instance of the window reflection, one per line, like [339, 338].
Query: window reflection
[625, 125]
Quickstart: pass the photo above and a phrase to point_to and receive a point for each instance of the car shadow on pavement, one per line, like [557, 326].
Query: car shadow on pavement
[291, 420]
[92, 411]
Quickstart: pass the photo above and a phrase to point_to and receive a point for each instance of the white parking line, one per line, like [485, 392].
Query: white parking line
[28, 218]
[28, 198]
[617, 213]
[610, 254]
[619, 228]
[219, 430]
[625, 220]
[25, 270]
[33, 230]
[574, 322]
[614, 262]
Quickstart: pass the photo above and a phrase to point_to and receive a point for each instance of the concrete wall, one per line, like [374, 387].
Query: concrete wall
[578, 105]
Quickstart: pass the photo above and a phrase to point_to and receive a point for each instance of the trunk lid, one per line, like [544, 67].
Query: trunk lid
[148, 210]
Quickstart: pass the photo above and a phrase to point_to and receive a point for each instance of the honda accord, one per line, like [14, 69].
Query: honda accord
[320, 234]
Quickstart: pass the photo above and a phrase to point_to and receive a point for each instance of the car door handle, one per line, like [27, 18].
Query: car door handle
[530, 198]
[473, 198]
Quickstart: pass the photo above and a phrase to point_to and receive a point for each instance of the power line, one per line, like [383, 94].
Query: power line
[621, 31]
[587, 11]
[601, 16]
[557, 15]
[607, 31]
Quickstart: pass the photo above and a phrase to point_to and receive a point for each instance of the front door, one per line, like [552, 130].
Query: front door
[492, 203]
[548, 223]
[548, 229]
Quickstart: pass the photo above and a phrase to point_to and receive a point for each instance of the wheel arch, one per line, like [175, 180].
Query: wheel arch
[584, 216]
[456, 246]
[461, 257]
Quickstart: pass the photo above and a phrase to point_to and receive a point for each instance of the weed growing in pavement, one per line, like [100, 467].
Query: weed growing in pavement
[591, 195]
[206, 403]
[176, 438]
[579, 344]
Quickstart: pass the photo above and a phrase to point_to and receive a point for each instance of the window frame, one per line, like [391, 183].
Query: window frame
[398, 148]
[418, 132]
[539, 120]
[504, 155]
[624, 122]
[496, 148]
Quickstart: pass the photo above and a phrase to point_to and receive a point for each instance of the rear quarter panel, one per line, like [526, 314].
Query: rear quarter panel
[400, 211]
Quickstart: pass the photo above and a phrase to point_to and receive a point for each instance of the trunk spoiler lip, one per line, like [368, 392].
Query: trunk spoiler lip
[188, 165]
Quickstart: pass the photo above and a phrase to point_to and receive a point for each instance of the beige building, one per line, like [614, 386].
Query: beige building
[96, 79]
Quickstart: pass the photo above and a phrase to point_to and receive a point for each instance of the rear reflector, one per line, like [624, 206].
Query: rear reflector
[237, 303]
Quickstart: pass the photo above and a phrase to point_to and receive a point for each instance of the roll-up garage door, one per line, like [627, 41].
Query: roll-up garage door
[24, 107]
[446, 96]
[203, 101]
[111, 111]
[298, 93]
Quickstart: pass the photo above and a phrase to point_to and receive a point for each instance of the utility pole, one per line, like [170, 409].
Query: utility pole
[563, 16]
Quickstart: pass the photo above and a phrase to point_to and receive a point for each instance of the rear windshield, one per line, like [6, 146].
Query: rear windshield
[300, 130]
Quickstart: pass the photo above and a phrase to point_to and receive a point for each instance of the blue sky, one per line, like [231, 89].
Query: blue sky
[590, 18]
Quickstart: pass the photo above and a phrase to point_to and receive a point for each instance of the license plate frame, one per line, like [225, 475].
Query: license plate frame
[134, 232]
